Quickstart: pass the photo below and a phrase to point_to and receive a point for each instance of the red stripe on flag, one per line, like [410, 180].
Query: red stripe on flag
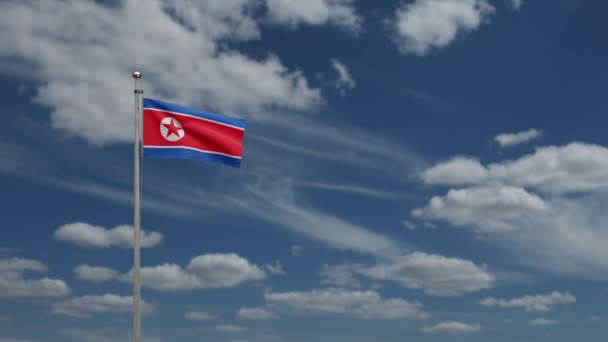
[199, 134]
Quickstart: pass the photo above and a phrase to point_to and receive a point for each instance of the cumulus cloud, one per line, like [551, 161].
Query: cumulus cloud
[86, 306]
[87, 235]
[434, 274]
[255, 314]
[456, 171]
[20, 265]
[543, 321]
[345, 80]
[205, 271]
[15, 285]
[103, 335]
[11, 339]
[423, 25]
[340, 13]
[363, 304]
[226, 328]
[512, 139]
[202, 272]
[339, 276]
[199, 316]
[95, 273]
[488, 209]
[572, 168]
[452, 328]
[538, 303]
[69, 41]
[545, 207]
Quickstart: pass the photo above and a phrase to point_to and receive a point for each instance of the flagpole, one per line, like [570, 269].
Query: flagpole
[136, 213]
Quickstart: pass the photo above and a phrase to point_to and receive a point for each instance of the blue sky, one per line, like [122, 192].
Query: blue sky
[428, 170]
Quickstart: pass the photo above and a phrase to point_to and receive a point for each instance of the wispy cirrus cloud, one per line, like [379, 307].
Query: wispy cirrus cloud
[345, 80]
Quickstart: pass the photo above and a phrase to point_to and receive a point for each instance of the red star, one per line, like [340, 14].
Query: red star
[172, 129]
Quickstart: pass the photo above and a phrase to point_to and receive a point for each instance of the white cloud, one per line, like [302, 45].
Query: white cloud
[543, 321]
[434, 274]
[339, 276]
[202, 272]
[340, 13]
[409, 225]
[95, 274]
[103, 335]
[345, 80]
[363, 304]
[595, 318]
[296, 250]
[512, 139]
[545, 208]
[538, 303]
[276, 269]
[352, 189]
[5, 318]
[68, 42]
[227, 328]
[278, 206]
[14, 284]
[516, 4]
[255, 314]
[20, 265]
[85, 306]
[205, 271]
[424, 25]
[452, 328]
[87, 235]
[488, 209]
[200, 316]
[10, 339]
[456, 171]
[572, 168]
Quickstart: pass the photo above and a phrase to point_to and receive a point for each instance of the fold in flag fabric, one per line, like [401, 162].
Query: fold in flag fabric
[174, 131]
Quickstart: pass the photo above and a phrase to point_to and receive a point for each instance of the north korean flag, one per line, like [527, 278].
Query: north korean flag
[174, 131]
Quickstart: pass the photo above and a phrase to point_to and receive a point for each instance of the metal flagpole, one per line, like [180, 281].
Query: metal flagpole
[136, 212]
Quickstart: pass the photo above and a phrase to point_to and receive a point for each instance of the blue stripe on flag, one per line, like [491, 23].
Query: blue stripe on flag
[178, 152]
[171, 107]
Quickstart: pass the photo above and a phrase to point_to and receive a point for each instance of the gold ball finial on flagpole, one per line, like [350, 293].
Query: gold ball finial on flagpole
[137, 74]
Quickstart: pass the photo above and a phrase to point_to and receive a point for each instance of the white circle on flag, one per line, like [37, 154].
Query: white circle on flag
[171, 129]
